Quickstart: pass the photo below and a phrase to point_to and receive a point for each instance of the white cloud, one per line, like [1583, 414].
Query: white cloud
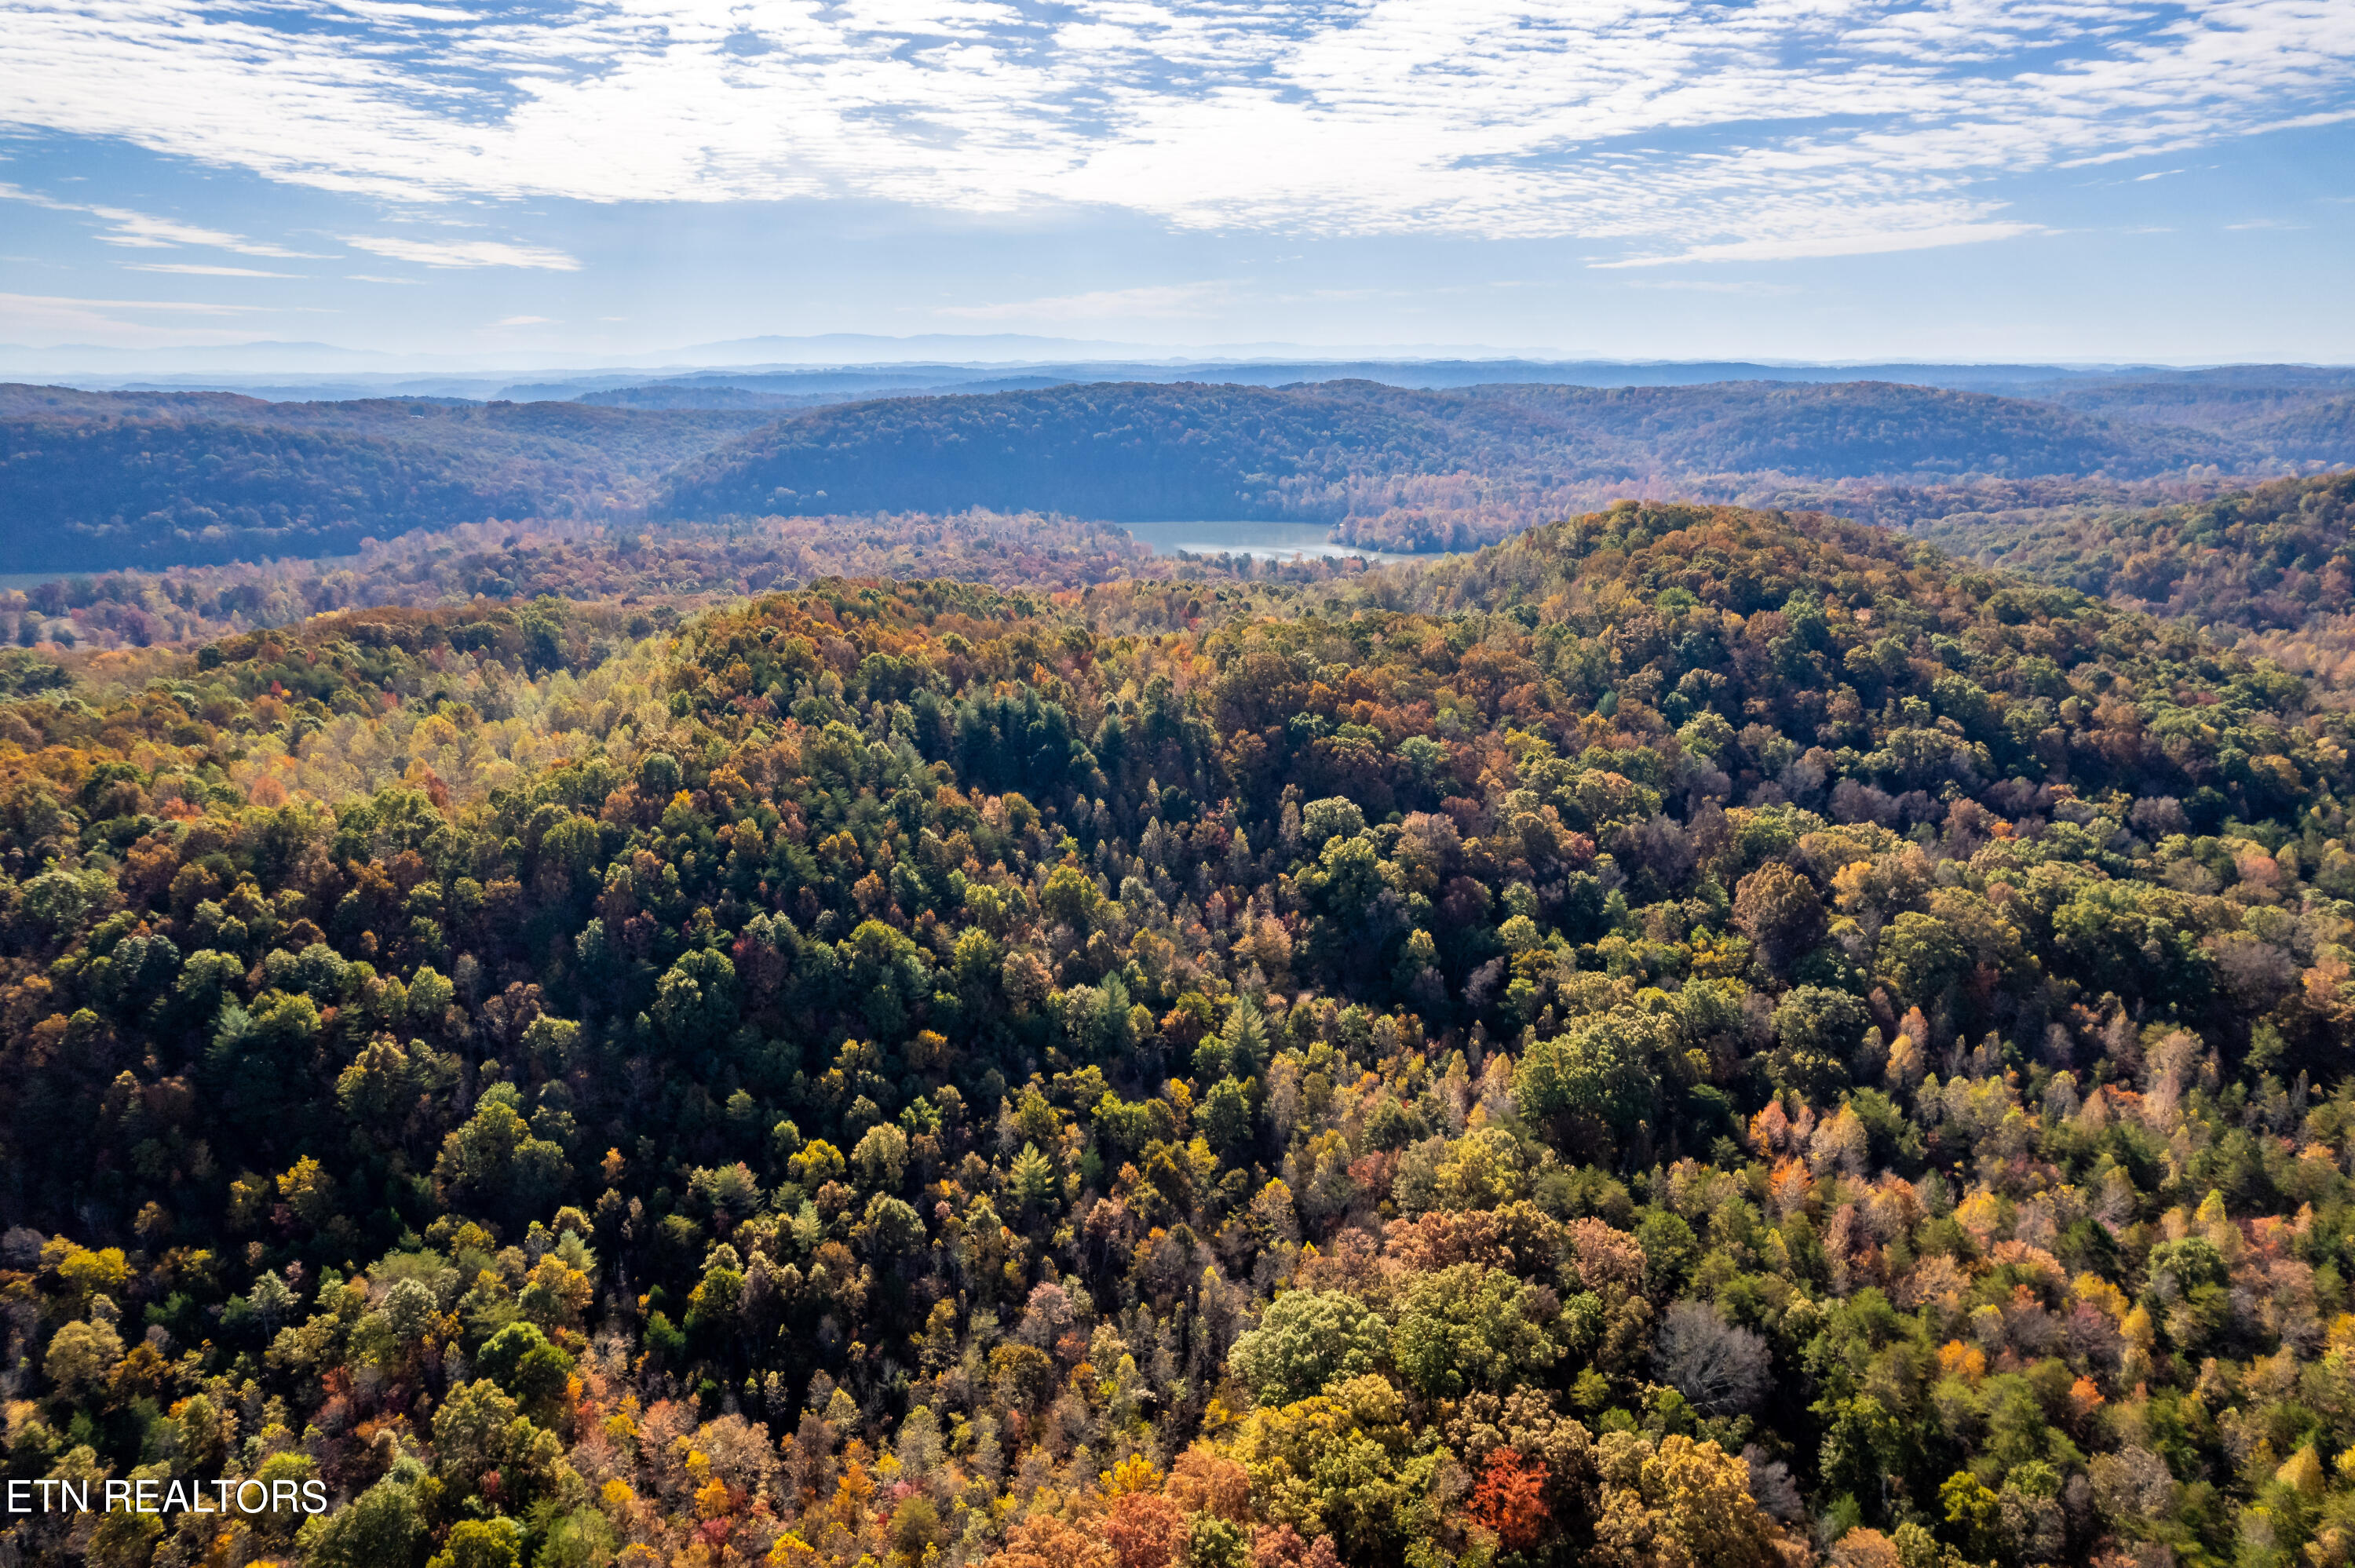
[1863, 243]
[144, 231]
[522, 321]
[462, 253]
[51, 319]
[1681, 130]
[192, 268]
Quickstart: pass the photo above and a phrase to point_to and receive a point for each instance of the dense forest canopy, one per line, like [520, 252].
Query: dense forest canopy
[2276, 556]
[96, 481]
[1695, 1036]
[2250, 412]
[2256, 559]
[672, 569]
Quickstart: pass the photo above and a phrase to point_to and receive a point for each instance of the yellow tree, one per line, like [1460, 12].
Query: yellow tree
[1683, 1504]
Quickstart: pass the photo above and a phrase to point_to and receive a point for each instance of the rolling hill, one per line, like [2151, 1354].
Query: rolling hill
[97, 479]
[2273, 556]
[1358, 453]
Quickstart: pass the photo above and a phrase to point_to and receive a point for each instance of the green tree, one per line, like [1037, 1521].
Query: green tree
[882, 1156]
[494, 1160]
[581, 1539]
[1470, 1327]
[1920, 957]
[1604, 1067]
[2135, 939]
[1225, 1115]
[1032, 1180]
[480, 1428]
[384, 1526]
[1817, 1031]
[480, 1543]
[891, 1228]
[1242, 1039]
[1306, 1341]
[695, 1002]
[1334, 816]
[1344, 1462]
[519, 1359]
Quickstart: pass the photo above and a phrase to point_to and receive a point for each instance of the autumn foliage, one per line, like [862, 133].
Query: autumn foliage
[1695, 1037]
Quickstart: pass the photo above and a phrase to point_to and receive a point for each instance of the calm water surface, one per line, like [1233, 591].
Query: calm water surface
[1270, 541]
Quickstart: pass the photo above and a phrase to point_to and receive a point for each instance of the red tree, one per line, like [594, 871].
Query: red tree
[1511, 1500]
[1145, 1530]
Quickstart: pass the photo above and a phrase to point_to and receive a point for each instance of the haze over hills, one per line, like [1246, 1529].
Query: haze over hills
[837, 349]
[322, 358]
[158, 477]
[1404, 468]
[1135, 452]
[235, 365]
[155, 479]
[871, 365]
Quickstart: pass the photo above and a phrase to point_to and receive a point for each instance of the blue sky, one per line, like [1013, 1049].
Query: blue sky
[562, 182]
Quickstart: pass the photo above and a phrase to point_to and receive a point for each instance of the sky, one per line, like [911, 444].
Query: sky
[581, 182]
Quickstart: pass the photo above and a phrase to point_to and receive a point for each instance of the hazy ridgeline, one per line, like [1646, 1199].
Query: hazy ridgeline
[95, 481]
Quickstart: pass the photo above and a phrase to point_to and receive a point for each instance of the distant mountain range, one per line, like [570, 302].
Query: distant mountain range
[859, 365]
[161, 477]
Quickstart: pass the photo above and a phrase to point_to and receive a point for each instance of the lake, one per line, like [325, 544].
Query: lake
[1269, 541]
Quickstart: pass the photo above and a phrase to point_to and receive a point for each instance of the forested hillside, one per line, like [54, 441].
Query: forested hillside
[2234, 400]
[1849, 429]
[2273, 557]
[93, 480]
[2268, 568]
[1393, 467]
[1696, 1036]
[2323, 430]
